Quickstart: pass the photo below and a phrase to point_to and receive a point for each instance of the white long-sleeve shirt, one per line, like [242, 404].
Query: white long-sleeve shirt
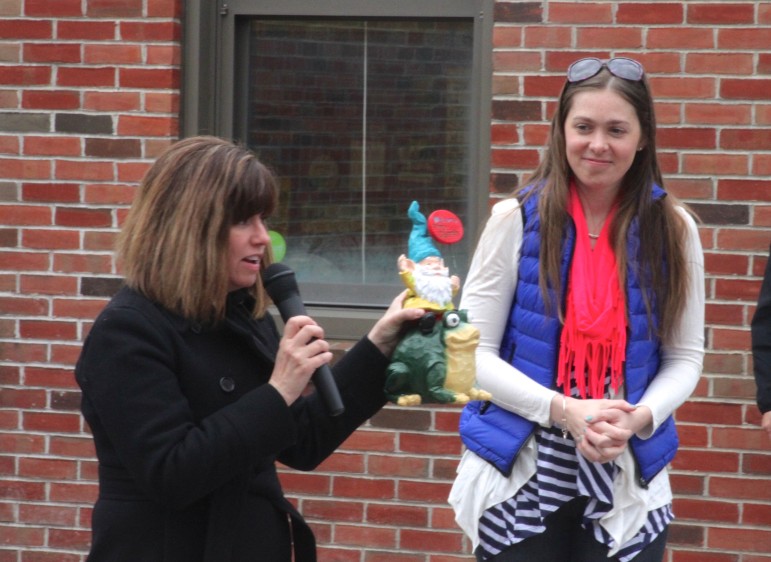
[487, 295]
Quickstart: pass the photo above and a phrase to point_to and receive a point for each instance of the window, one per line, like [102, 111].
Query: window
[360, 107]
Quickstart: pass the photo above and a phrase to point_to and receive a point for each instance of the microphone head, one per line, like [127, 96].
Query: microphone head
[279, 282]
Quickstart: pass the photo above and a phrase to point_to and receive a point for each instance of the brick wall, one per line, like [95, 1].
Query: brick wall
[89, 94]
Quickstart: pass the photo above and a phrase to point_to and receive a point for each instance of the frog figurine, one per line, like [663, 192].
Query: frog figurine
[434, 362]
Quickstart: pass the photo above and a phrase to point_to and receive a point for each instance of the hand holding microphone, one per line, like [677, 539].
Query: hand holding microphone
[280, 284]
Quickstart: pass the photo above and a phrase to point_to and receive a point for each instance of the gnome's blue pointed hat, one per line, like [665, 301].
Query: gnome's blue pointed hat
[421, 245]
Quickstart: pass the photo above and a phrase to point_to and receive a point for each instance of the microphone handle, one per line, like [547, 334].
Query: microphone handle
[322, 378]
[327, 389]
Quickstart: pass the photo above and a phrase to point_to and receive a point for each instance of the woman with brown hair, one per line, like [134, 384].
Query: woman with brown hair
[588, 291]
[191, 393]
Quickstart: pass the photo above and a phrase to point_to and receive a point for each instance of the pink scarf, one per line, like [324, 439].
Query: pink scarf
[593, 339]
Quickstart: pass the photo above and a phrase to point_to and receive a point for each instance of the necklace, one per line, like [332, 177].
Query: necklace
[594, 236]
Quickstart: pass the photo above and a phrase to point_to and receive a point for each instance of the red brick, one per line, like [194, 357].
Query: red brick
[51, 422]
[23, 536]
[749, 89]
[114, 9]
[49, 284]
[580, 12]
[327, 510]
[430, 444]
[74, 492]
[746, 439]
[132, 171]
[111, 101]
[365, 488]
[72, 447]
[58, 9]
[514, 158]
[370, 537]
[78, 263]
[683, 87]
[398, 466]
[164, 8]
[69, 539]
[50, 469]
[26, 28]
[745, 540]
[746, 38]
[720, 63]
[86, 30]
[686, 137]
[709, 413]
[25, 75]
[163, 79]
[721, 13]
[706, 510]
[701, 556]
[164, 55]
[86, 76]
[52, 146]
[743, 190]
[112, 54]
[717, 114]
[305, 483]
[50, 239]
[615, 37]
[370, 441]
[161, 102]
[433, 541]
[409, 490]
[52, 52]
[644, 13]
[47, 330]
[76, 170]
[47, 515]
[149, 31]
[50, 99]
[745, 139]
[397, 515]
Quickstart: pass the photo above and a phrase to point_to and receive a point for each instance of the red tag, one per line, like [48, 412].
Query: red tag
[445, 227]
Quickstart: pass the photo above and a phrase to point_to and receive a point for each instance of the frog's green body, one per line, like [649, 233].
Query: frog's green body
[435, 363]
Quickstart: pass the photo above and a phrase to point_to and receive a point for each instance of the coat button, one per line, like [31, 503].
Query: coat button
[227, 384]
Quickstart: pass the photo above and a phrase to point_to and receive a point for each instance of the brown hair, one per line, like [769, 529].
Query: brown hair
[662, 228]
[174, 242]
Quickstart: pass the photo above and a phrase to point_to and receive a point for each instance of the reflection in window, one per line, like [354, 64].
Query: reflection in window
[359, 118]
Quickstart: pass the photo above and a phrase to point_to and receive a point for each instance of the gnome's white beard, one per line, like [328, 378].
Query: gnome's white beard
[433, 285]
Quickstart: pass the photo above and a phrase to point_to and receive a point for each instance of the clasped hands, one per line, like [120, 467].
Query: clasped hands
[601, 428]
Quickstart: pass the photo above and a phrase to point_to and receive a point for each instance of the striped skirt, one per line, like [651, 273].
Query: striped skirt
[562, 475]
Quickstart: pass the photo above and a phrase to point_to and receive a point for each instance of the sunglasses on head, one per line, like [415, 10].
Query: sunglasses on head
[628, 69]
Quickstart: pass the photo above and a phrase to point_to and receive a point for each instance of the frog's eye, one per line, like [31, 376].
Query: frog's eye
[451, 320]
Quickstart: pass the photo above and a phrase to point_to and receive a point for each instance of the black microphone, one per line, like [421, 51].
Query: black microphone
[281, 286]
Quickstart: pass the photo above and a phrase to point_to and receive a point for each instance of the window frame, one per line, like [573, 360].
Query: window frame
[211, 85]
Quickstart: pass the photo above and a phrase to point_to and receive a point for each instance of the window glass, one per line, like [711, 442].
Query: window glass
[358, 118]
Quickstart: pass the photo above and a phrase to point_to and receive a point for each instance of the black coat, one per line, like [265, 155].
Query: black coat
[761, 342]
[187, 433]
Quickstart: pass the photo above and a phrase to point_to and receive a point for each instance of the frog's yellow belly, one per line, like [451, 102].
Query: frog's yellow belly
[460, 350]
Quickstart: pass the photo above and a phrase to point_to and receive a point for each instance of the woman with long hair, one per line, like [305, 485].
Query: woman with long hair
[191, 393]
[588, 291]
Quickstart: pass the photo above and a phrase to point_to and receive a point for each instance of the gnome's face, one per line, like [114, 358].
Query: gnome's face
[433, 263]
[432, 282]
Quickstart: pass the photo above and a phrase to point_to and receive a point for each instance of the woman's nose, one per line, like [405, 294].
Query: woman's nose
[599, 142]
[260, 233]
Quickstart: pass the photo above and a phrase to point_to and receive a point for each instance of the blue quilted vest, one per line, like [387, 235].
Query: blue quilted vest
[531, 344]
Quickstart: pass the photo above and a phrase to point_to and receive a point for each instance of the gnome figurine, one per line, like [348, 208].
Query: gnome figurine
[435, 360]
[430, 285]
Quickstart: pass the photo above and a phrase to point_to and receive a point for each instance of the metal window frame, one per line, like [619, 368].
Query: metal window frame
[211, 83]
